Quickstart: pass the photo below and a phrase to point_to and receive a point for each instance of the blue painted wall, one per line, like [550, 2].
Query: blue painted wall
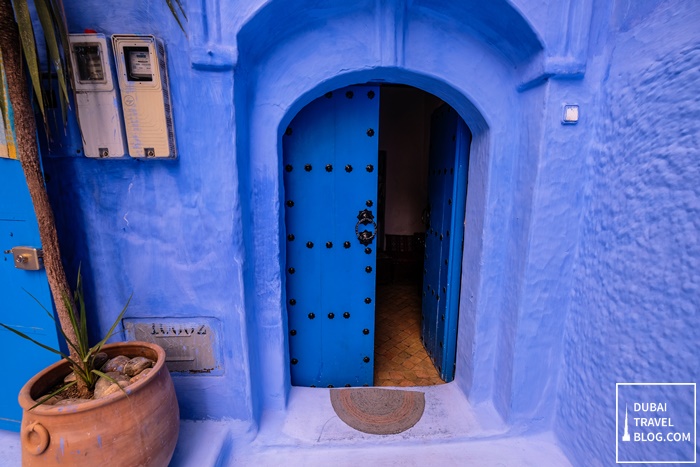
[583, 237]
[634, 314]
[169, 232]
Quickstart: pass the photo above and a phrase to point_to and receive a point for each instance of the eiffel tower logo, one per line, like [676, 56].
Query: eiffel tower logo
[626, 434]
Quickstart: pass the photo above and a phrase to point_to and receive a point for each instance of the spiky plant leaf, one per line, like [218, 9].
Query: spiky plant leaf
[110, 379]
[5, 113]
[49, 396]
[43, 346]
[58, 16]
[99, 345]
[50, 315]
[80, 302]
[73, 323]
[59, 20]
[26, 32]
[83, 364]
[4, 101]
[174, 12]
[179, 4]
[47, 25]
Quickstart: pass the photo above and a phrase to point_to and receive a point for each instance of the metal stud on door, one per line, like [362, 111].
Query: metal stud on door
[330, 185]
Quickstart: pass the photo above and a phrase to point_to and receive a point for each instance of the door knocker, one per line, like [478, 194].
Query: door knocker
[365, 218]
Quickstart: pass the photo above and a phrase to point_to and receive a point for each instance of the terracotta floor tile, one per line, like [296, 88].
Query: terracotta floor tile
[401, 359]
[415, 361]
[408, 364]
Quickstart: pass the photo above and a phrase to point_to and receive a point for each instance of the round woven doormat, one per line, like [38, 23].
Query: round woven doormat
[378, 411]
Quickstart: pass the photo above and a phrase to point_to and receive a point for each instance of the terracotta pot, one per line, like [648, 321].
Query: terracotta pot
[138, 430]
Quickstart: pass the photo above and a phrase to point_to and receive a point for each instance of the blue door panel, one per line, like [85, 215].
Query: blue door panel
[456, 244]
[447, 184]
[440, 147]
[330, 155]
[18, 227]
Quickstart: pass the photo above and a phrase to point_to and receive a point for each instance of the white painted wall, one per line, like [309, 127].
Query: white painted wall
[404, 133]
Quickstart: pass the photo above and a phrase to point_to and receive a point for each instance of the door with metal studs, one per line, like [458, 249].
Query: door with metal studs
[330, 188]
[447, 187]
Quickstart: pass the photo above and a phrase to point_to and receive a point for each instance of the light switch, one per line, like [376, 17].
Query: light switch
[570, 114]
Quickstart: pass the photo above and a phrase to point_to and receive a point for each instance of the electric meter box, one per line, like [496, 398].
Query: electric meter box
[142, 73]
[96, 97]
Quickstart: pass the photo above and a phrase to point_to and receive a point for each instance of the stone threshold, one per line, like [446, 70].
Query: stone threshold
[309, 433]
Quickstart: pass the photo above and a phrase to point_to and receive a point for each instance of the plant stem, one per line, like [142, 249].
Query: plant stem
[25, 130]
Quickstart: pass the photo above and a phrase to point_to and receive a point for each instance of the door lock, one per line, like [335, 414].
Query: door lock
[27, 258]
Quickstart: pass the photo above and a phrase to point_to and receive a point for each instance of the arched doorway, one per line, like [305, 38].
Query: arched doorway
[394, 262]
[450, 54]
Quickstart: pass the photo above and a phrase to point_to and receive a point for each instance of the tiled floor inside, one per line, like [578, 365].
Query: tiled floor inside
[400, 358]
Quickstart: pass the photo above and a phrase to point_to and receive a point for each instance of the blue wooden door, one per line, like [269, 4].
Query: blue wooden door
[447, 187]
[330, 189]
[22, 359]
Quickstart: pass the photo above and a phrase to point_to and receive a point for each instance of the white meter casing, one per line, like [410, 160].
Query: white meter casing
[96, 97]
[143, 81]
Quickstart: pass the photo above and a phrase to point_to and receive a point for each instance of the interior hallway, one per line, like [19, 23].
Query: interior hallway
[400, 358]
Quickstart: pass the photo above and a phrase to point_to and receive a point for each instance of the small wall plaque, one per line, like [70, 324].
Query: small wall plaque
[190, 344]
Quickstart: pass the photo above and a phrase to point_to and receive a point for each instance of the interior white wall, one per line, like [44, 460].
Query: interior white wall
[404, 133]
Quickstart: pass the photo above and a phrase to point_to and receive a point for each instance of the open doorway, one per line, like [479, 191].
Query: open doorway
[412, 182]
[374, 231]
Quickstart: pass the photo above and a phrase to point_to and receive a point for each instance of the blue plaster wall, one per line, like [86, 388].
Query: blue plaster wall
[634, 315]
[168, 232]
[571, 227]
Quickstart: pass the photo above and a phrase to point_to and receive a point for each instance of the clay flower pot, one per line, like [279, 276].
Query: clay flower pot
[138, 430]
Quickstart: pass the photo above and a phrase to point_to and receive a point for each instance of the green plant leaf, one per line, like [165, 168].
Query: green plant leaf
[50, 349]
[50, 315]
[80, 302]
[3, 92]
[74, 324]
[99, 345]
[104, 375]
[59, 18]
[49, 396]
[47, 24]
[83, 370]
[5, 107]
[26, 32]
[84, 374]
[174, 12]
[110, 379]
[179, 4]
[70, 342]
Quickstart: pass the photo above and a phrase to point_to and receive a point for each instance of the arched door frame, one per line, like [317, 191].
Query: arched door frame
[271, 91]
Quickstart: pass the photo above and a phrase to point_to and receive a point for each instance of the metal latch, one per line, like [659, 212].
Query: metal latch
[27, 258]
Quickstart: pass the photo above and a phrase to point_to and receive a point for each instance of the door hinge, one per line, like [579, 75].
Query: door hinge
[27, 258]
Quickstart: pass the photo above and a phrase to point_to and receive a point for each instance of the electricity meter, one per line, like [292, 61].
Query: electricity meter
[96, 97]
[143, 82]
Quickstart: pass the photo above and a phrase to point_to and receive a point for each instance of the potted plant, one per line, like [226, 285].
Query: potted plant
[138, 420]
[137, 427]
[114, 403]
